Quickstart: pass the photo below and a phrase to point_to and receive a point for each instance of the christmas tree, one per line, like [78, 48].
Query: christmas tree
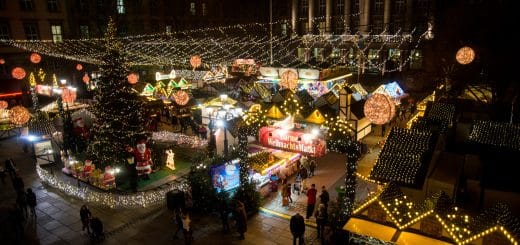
[118, 109]
[341, 140]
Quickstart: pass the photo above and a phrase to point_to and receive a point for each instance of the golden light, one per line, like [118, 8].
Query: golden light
[465, 55]
[85, 78]
[79, 67]
[289, 79]
[181, 97]
[2, 61]
[132, 78]
[19, 115]
[3, 104]
[18, 73]
[195, 61]
[379, 108]
[35, 58]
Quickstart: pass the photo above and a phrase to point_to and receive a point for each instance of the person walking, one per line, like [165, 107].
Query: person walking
[321, 221]
[186, 228]
[297, 226]
[324, 197]
[312, 167]
[31, 201]
[289, 192]
[311, 200]
[241, 219]
[224, 214]
[21, 200]
[85, 216]
[177, 216]
[10, 168]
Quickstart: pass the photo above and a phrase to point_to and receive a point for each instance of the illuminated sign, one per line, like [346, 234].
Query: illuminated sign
[292, 141]
[44, 90]
[226, 177]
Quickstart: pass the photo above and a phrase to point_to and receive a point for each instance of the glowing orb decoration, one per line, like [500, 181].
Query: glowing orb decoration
[2, 61]
[181, 97]
[379, 108]
[465, 55]
[19, 115]
[132, 78]
[68, 95]
[35, 58]
[85, 78]
[18, 73]
[195, 61]
[3, 104]
[79, 67]
[289, 79]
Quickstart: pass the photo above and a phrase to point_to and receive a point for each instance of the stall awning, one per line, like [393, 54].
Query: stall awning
[275, 113]
[408, 238]
[368, 228]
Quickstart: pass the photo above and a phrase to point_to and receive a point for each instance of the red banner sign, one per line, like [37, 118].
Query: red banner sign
[292, 141]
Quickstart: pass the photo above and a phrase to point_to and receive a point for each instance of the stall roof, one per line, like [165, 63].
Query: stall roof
[275, 112]
[369, 228]
[315, 117]
[407, 238]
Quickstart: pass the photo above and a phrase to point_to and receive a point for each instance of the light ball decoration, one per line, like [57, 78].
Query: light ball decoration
[465, 55]
[85, 78]
[2, 61]
[79, 67]
[19, 115]
[289, 80]
[195, 61]
[3, 104]
[18, 73]
[379, 108]
[132, 78]
[35, 58]
[181, 97]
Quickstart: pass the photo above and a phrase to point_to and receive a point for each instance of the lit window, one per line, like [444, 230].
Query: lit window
[192, 9]
[168, 29]
[416, 59]
[84, 32]
[284, 29]
[56, 33]
[31, 31]
[121, 7]
[52, 5]
[204, 9]
[26, 5]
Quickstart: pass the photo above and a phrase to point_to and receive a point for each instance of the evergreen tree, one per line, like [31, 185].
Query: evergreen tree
[118, 109]
[342, 141]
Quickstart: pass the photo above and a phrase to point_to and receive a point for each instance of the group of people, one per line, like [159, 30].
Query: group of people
[297, 222]
[238, 212]
[93, 225]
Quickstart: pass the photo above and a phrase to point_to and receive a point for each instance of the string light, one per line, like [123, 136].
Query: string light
[498, 134]
[179, 139]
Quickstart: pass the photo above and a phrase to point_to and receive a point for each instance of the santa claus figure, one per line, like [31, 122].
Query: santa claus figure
[108, 177]
[88, 168]
[143, 158]
[80, 129]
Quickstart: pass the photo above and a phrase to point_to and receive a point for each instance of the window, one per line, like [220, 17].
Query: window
[5, 31]
[302, 54]
[192, 8]
[322, 26]
[416, 59]
[168, 29]
[341, 8]
[56, 33]
[318, 54]
[400, 6]
[84, 32]
[204, 9]
[322, 7]
[26, 5]
[121, 7]
[100, 4]
[52, 5]
[31, 31]
[2, 4]
[304, 11]
[83, 6]
[394, 54]
[284, 29]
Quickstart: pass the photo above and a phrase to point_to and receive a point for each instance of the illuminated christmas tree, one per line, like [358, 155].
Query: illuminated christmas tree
[118, 109]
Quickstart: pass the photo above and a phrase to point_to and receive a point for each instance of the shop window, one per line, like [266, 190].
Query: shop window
[323, 26]
[168, 29]
[284, 29]
[394, 54]
[84, 32]
[121, 7]
[373, 54]
[5, 31]
[31, 31]
[318, 54]
[26, 5]
[416, 59]
[52, 5]
[301, 54]
[192, 8]
[56, 33]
